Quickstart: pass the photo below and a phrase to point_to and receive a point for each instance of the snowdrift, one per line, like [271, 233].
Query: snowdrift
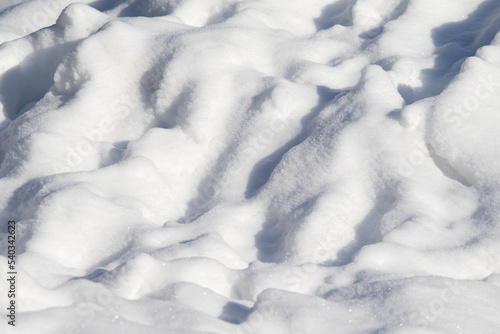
[251, 166]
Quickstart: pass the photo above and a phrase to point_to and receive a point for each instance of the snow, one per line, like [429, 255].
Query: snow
[251, 166]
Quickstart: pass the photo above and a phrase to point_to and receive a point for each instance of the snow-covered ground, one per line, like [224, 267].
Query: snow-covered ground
[251, 166]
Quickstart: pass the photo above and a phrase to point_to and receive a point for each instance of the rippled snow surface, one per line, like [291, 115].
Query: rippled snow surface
[251, 166]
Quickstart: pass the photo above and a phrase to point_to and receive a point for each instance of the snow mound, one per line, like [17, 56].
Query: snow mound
[252, 166]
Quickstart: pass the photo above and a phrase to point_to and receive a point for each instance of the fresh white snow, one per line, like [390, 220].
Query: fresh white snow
[251, 166]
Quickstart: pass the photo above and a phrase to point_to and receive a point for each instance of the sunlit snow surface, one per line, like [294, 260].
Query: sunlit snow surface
[252, 166]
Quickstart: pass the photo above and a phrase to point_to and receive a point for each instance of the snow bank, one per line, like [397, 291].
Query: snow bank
[252, 166]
